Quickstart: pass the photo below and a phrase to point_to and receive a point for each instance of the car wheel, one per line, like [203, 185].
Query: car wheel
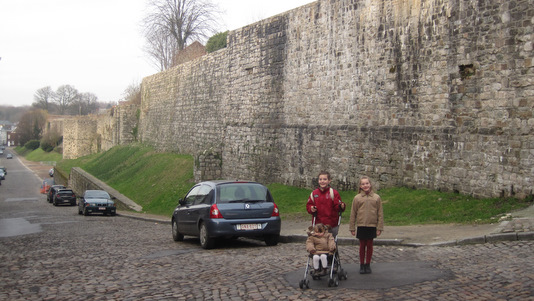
[205, 241]
[85, 211]
[79, 211]
[54, 203]
[177, 236]
[272, 240]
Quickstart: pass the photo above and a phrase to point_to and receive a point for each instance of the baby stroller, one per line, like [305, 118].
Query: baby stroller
[334, 270]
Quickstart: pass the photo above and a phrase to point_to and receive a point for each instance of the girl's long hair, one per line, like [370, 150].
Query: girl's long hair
[360, 184]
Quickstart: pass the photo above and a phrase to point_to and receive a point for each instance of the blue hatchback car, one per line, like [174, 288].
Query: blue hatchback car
[227, 209]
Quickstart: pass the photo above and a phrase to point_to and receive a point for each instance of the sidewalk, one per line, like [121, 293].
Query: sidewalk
[520, 227]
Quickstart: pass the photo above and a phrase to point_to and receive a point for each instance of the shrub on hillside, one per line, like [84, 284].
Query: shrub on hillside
[51, 140]
[32, 144]
[47, 146]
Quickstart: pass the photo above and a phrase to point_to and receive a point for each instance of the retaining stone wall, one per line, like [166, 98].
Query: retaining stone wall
[432, 94]
[80, 181]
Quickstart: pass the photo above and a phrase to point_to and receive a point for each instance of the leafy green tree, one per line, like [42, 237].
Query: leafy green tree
[217, 42]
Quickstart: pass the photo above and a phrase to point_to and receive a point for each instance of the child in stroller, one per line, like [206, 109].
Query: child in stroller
[322, 248]
[320, 244]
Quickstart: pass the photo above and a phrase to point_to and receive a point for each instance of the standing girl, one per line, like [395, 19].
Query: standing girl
[367, 215]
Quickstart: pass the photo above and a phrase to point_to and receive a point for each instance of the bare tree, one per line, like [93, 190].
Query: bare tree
[43, 97]
[132, 93]
[85, 104]
[31, 125]
[172, 24]
[64, 97]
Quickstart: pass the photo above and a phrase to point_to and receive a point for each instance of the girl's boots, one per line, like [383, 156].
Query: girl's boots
[365, 268]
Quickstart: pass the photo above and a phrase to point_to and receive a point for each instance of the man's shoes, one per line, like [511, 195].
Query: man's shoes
[362, 268]
[368, 268]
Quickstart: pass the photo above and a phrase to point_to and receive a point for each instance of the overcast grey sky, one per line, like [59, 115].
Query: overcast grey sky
[95, 46]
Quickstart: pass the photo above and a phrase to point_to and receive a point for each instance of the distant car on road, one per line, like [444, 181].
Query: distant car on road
[225, 209]
[64, 196]
[96, 201]
[9, 156]
[4, 169]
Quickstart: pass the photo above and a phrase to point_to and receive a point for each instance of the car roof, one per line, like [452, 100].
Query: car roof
[218, 182]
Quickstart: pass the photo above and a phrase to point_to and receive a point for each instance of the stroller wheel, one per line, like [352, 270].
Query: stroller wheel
[336, 282]
[301, 284]
[307, 283]
[344, 275]
[330, 282]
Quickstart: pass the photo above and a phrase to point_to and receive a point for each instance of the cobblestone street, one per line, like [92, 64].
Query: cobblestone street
[116, 258]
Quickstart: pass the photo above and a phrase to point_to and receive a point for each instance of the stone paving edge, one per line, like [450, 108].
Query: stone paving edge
[513, 236]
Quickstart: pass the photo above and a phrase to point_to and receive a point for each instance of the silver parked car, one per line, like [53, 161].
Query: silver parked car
[96, 201]
[225, 209]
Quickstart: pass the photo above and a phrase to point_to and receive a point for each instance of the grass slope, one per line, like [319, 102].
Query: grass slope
[157, 181]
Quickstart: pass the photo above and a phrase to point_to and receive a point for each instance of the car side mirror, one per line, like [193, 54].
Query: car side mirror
[181, 202]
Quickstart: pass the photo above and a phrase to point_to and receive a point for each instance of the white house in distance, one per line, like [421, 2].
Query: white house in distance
[5, 128]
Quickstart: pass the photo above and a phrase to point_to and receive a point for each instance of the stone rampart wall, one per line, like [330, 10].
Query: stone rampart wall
[91, 134]
[432, 94]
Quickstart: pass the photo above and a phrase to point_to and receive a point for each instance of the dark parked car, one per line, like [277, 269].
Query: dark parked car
[64, 196]
[96, 201]
[52, 192]
[227, 209]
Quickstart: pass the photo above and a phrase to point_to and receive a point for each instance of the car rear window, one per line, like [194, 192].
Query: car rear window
[242, 192]
[65, 192]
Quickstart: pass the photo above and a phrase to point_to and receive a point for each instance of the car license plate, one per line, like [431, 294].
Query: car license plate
[101, 208]
[248, 226]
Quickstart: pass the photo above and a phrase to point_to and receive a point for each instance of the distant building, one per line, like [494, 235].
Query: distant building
[189, 53]
[5, 127]
[13, 138]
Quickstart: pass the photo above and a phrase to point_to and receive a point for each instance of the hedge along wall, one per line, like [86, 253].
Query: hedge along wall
[430, 94]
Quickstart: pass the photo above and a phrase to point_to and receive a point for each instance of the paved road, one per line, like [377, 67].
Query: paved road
[52, 253]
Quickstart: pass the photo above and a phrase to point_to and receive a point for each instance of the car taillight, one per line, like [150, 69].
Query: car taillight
[214, 212]
[275, 211]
